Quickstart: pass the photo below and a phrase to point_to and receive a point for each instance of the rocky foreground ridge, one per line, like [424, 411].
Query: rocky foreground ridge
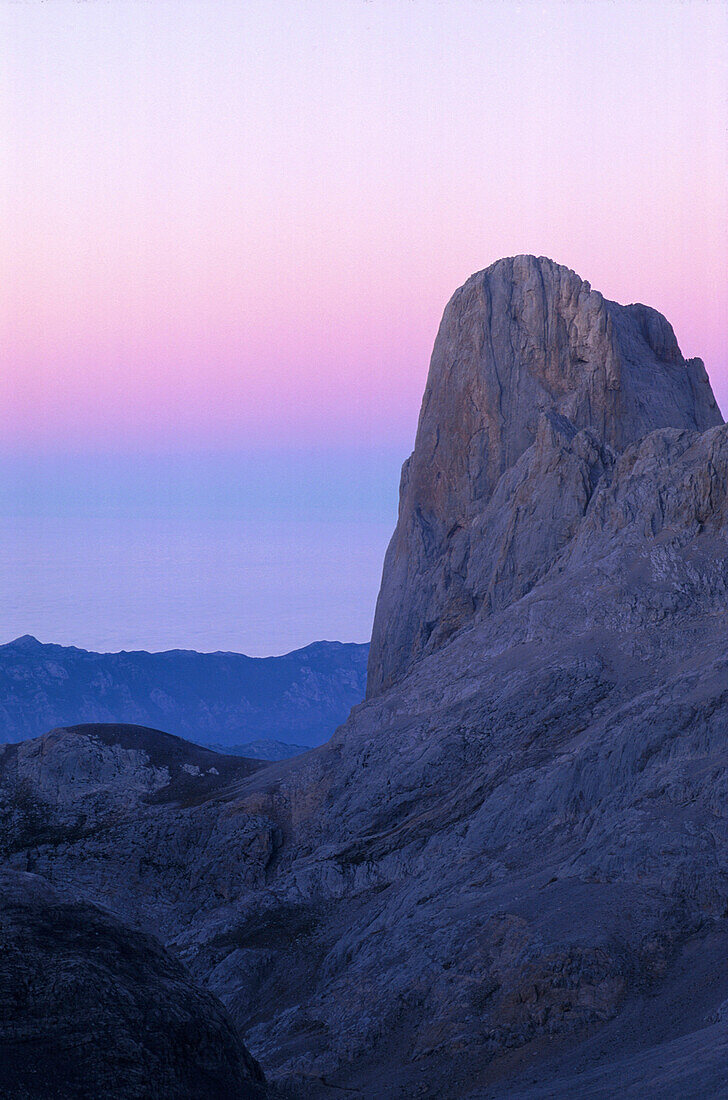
[91, 1008]
[505, 875]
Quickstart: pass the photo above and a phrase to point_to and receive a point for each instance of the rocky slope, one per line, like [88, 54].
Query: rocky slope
[89, 1008]
[76, 780]
[506, 872]
[223, 698]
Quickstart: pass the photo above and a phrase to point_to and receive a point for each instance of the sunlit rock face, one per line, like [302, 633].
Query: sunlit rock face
[536, 383]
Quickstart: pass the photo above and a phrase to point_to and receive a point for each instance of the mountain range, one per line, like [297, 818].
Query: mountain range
[227, 699]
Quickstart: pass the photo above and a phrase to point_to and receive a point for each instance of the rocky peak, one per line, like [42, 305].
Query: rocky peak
[536, 383]
[24, 642]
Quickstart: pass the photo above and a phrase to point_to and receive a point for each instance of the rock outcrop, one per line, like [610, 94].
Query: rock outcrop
[530, 365]
[138, 809]
[89, 1008]
[77, 779]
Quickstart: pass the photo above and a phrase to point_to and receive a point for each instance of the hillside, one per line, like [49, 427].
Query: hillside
[101, 1010]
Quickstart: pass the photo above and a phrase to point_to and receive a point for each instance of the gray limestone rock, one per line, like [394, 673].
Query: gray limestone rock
[524, 339]
[74, 780]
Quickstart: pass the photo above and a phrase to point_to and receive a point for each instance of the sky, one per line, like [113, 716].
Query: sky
[228, 234]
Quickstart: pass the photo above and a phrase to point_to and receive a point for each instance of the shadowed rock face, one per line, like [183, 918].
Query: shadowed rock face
[536, 382]
[89, 1008]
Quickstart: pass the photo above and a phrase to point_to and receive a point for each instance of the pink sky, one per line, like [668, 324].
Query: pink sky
[232, 225]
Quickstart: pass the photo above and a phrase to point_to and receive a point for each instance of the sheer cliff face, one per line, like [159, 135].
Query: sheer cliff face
[536, 384]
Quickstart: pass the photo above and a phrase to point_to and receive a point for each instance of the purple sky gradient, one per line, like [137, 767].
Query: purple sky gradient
[231, 229]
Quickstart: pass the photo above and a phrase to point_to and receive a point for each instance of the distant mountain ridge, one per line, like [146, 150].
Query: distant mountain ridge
[227, 699]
